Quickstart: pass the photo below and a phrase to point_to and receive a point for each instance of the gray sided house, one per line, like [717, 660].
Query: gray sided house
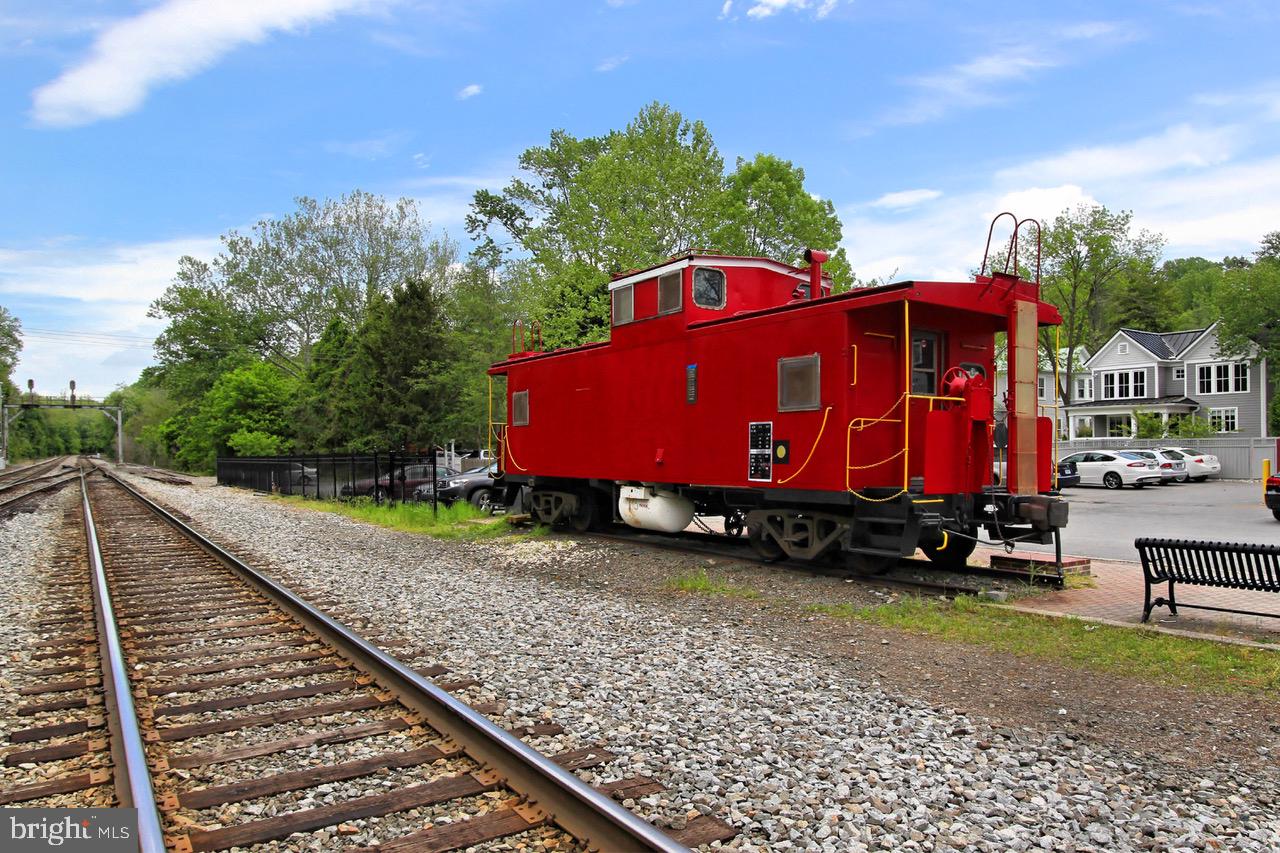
[1046, 397]
[1170, 374]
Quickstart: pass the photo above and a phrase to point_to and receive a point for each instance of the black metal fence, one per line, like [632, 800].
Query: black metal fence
[388, 476]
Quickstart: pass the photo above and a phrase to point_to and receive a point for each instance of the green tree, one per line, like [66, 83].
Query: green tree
[769, 213]
[595, 207]
[10, 343]
[1150, 425]
[247, 403]
[1250, 311]
[1087, 250]
[1192, 286]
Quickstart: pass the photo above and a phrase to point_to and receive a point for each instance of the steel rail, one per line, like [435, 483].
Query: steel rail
[127, 747]
[589, 815]
[17, 499]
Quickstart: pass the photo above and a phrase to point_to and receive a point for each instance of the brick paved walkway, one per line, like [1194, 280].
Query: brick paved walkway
[1116, 595]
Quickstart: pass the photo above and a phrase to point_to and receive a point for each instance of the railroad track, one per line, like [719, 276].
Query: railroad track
[908, 573]
[34, 480]
[194, 681]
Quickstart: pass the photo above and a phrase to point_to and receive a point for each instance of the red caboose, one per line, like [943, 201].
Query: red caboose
[859, 423]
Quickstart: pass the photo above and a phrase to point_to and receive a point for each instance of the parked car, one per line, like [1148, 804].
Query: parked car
[1172, 468]
[1068, 476]
[1115, 468]
[1200, 466]
[407, 479]
[476, 487]
[301, 475]
[1273, 496]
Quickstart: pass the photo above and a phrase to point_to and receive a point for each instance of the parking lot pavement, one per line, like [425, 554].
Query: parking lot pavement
[1104, 523]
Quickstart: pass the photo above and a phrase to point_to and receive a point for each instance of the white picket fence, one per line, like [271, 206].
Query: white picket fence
[1241, 457]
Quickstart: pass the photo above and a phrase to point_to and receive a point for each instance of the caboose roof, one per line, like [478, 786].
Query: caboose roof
[709, 259]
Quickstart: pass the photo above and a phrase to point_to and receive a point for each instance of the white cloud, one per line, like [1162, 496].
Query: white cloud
[469, 91]
[371, 148]
[726, 9]
[989, 77]
[168, 42]
[1181, 146]
[768, 8]
[134, 273]
[611, 63]
[82, 289]
[905, 199]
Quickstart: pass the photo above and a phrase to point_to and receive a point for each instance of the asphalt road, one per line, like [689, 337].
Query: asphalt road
[1104, 523]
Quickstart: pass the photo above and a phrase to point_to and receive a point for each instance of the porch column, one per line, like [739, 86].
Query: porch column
[1133, 425]
[1071, 428]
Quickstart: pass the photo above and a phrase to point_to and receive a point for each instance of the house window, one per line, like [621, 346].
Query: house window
[520, 408]
[1118, 426]
[1122, 348]
[623, 305]
[1179, 374]
[708, 287]
[669, 299]
[1224, 420]
[1227, 378]
[1124, 384]
[1084, 388]
[1042, 390]
[924, 363]
[799, 383]
[1239, 377]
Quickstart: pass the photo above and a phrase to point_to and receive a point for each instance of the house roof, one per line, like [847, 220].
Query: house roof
[1166, 345]
[1140, 403]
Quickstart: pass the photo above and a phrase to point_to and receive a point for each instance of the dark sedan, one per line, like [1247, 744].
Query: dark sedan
[1068, 475]
[476, 487]
[407, 479]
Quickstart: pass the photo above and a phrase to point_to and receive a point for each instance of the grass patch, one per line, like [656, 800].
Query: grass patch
[703, 584]
[459, 520]
[1203, 664]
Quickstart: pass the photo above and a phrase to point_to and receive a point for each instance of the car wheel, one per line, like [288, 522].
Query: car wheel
[482, 499]
[1112, 480]
[379, 494]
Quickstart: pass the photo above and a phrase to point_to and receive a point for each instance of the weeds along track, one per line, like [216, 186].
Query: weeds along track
[185, 683]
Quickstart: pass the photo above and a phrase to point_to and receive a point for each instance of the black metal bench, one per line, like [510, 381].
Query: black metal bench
[1220, 564]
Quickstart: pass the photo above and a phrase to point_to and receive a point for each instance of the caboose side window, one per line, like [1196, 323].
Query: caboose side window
[623, 305]
[924, 362]
[669, 298]
[708, 287]
[520, 408]
[799, 383]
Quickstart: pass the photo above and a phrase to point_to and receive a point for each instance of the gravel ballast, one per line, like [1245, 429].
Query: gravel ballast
[777, 739]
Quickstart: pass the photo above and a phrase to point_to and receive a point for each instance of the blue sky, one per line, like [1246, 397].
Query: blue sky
[135, 132]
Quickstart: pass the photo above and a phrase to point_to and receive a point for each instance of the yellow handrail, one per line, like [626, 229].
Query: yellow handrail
[814, 447]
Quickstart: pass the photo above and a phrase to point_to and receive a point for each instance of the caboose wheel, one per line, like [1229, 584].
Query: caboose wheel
[584, 518]
[955, 556]
[764, 546]
[868, 564]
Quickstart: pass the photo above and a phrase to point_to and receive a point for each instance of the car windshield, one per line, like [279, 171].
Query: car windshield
[1128, 454]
